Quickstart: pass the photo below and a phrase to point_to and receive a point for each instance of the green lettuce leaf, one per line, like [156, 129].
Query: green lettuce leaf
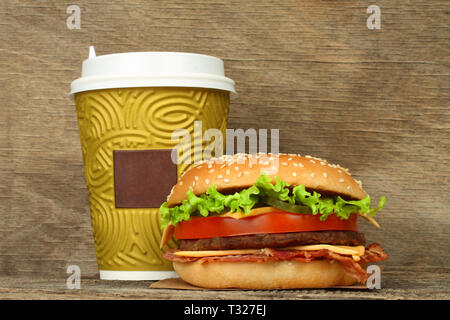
[214, 202]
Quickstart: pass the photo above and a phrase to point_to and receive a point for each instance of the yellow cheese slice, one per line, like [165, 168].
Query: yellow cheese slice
[215, 253]
[253, 212]
[345, 250]
[371, 220]
[167, 234]
[355, 251]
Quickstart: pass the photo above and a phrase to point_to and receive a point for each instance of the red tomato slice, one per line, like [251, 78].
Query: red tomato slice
[274, 222]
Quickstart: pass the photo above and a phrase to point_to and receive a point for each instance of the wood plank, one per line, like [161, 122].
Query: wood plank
[397, 283]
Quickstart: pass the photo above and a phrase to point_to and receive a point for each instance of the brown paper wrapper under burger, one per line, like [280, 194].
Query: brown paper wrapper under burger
[128, 105]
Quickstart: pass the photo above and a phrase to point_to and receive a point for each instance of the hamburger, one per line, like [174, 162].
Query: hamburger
[269, 221]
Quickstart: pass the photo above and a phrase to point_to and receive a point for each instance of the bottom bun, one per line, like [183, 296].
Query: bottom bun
[264, 275]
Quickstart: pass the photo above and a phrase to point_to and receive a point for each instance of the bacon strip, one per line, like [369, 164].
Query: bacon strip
[373, 253]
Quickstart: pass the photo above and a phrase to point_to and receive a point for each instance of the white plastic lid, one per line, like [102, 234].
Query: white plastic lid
[136, 275]
[152, 69]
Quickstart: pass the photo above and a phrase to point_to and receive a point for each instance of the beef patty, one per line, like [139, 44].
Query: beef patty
[274, 240]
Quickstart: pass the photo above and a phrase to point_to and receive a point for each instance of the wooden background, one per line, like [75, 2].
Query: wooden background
[375, 101]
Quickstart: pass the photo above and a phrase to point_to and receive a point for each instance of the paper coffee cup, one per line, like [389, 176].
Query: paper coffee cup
[128, 106]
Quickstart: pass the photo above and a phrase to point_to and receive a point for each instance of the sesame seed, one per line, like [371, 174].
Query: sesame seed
[246, 172]
[290, 158]
[196, 178]
[220, 176]
[227, 172]
[348, 187]
[312, 174]
[207, 181]
[322, 163]
[180, 183]
[211, 171]
[341, 180]
[295, 164]
[312, 161]
[300, 164]
[236, 168]
[239, 174]
[284, 164]
[294, 174]
[222, 166]
[340, 171]
[199, 166]
[209, 165]
[325, 175]
[226, 180]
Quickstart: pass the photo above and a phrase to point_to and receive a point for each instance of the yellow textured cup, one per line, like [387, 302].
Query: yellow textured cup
[135, 118]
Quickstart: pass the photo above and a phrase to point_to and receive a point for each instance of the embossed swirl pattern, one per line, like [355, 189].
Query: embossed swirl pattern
[135, 118]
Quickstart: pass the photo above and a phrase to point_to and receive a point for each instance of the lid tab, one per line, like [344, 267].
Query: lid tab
[92, 54]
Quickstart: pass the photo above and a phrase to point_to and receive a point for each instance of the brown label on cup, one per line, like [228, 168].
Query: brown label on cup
[143, 178]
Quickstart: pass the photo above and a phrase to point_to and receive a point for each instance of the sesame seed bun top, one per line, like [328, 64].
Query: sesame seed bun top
[242, 170]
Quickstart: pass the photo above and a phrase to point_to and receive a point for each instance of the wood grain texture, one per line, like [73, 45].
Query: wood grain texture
[375, 101]
[397, 283]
